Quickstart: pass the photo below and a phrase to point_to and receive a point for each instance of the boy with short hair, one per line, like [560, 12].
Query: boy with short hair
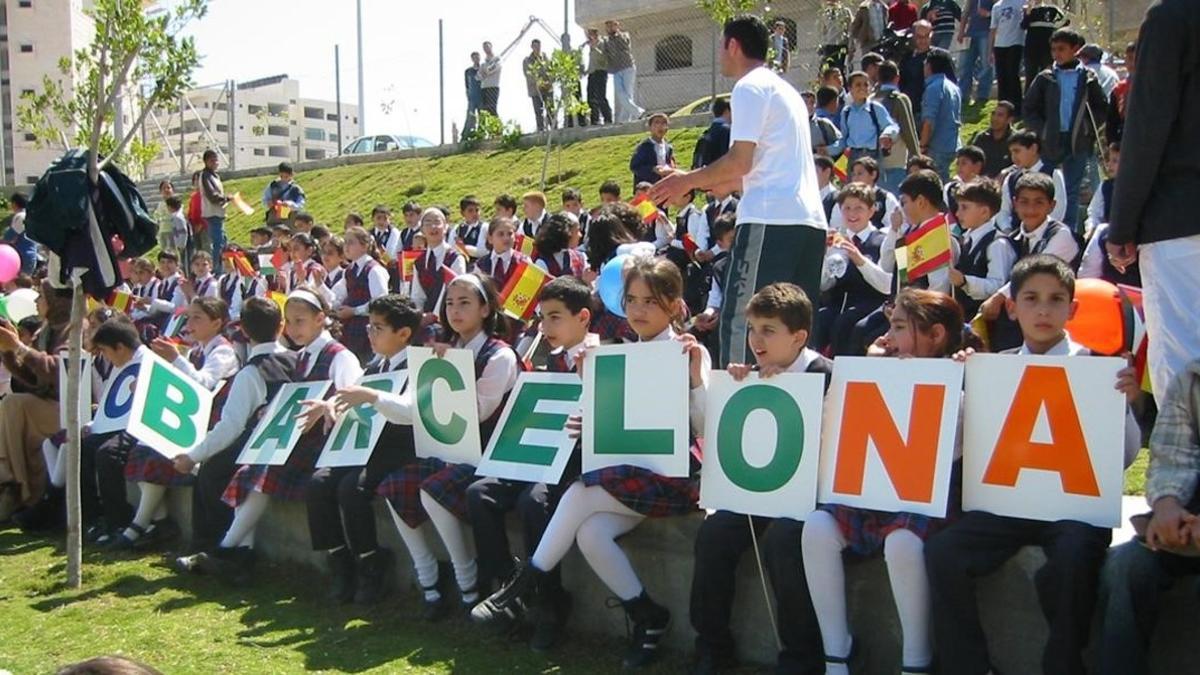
[987, 256]
[900, 107]
[852, 283]
[780, 318]
[303, 222]
[501, 259]
[722, 232]
[828, 190]
[572, 202]
[412, 223]
[260, 242]
[921, 200]
[505, 206]
[168, 296]
[610, 192]
[1025, 148]
[388, 237]
[980, 542]
[533, 210]
[969, 162]
[472, 231]
[867, 128]
[179, 229]
[865, 170]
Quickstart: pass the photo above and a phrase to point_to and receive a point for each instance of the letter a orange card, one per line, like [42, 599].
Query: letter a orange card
[1044, 438]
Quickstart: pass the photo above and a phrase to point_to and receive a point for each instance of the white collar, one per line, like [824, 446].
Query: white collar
[506, 256]
[828, 189]
[1035, 235]
[475, 344]
[976, 234]
[726, 201]
[138, 355]
[397, 358]
[863, 234]
[803, 361]
[265, 348]
[170, 278]
[313, 349]
[668, 334]
[537, 220]
[571, 354]
[1037, 167]
[362, 261]
[1064, 347]
[204, 278]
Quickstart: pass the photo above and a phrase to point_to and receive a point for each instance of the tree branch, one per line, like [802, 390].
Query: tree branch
[147, 106]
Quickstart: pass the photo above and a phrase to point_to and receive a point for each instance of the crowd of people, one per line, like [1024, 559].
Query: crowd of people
[751, 261]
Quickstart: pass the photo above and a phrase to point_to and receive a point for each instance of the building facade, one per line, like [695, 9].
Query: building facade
[263, 121]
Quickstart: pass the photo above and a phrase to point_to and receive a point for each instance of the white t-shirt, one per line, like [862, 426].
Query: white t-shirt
[1007, 16]
[781, 187]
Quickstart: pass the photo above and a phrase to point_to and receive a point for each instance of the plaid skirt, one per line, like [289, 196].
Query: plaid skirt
[646, 492]
[865, 530]
[147, 466]
[402, 489]
[354, 337]
[448, 487]
[287, 481]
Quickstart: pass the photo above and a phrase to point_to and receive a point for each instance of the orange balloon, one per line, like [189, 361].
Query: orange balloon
[1099, 322]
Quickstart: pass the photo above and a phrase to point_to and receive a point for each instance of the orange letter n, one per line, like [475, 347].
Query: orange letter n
[910, 464]
[1066, 453]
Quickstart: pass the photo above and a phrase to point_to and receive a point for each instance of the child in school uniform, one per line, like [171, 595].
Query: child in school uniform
[1043, 290]
[565, 309]
[212, 363]
[705, 327]
[1095, 263]
[827, 188]
[852, 282]
[268, 367]
[572, 202]
[430, 489]
[969, 162]
[553, 252]
[364, 279]
[166, 296]
[341, 521]
[505, 206]
[865, 170]
[780, 318]
[302, 270]
[1025, 148]
[333, 258]
[412, 226]
[388, 238]
[986, 256]
[428, 277]
[249, 491]
[202, 284]
[533, 210]
[502, 258]
[605, 504]
[471, 233]
[924, 324]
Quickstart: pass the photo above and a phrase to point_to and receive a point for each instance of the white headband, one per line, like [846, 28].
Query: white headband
[474, 281]
[431, 209]
[307, 297]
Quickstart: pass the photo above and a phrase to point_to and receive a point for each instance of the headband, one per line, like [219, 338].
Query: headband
[432, 209]
[475, 282]
[307, 297]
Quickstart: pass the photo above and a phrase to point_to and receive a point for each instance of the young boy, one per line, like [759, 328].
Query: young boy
[304, 222]
[1096, 264]
[968, 167]
[268, 367]
[780, 317]
[921, 200]
[867, 128]
[202, 284]
[260, 242]
[723, 230]
[533, 210]
[167, 297]
[980, 542]
[566, 312]
[852, 283]
[428, 278]
[471, 233]
[340, 518]
[388, 239]
[1025, 148]
[352, 220]
[610, 192]
[144, 288]
[987, 256]
[502, 259]
[866, 171]
[829, 191]
[180, 231]
[572, 202]
[412, 225]
[505, 206]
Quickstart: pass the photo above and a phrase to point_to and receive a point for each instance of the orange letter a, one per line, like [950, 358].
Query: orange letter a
[910, 464]
[1067, 453]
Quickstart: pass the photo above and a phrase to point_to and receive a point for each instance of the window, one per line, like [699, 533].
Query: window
[259, 152]
[331, 117]
[314, 113]
[27, 92]
[222, 127]
[333, 138]
[254, 109]
[279, 151]
[277, 131]
[314, 134]
[673, 52]
[314, 153]
[25, 4]
[26, 48]
[32, 180]
[31, 137]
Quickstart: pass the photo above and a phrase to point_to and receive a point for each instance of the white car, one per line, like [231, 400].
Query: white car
[384, 143]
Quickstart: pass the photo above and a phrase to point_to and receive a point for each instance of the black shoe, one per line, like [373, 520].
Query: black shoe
[650, 623]
[341, 570]
[549, 620]
[509, 603]
[50, 513]
[372, 576]
[708, 662]
[96, 531]
[123, 543]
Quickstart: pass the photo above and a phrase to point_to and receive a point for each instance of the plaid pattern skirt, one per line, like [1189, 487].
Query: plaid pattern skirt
[354, 337]
[288, 481]
[646, 492]
[865, 530]
[402, 489]
[448, 487]
[147, 466]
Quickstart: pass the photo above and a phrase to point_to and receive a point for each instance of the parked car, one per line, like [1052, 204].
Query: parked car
[385, 143]
[699, 106]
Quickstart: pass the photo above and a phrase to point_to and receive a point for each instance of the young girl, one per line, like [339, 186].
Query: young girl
[428, 276]
[608, 503]
[502, 259]
[553, 251]
[321, 358]
[924, 324]
[303, 269]
[364, 280]
[212, 362]
[437, 491]
[333, 257]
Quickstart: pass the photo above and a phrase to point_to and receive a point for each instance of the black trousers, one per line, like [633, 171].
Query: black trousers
[1008, 75]
[488, 98]
[835, 327]
[110, 456]
[1066, 585]
[540, 103]
[211, 517]
[597, 97]
[339, 503]
[89, 493]
[488, 501]
[723, 539]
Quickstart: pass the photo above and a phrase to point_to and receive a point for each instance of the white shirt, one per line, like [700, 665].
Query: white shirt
[393, 363]
[477, 247]
[1107, 77]
[697, 226]
[258, 289]
[344, 370]
[459, 266]
[939, 279]
[781, 187]
[1095, 213]
[220, 363]
[497, 258]
[247, 394]
[377, 281]
[1006, 200]
[1001, 258]
[1007, 16]
[872, 273]
[1092, 266]
[160, 306]
[212, 291]
[393, 243]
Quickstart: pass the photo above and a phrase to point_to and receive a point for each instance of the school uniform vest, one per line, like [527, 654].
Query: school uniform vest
[1132, 276]
[396, 439]
[406, 238]
[681, 223]
[487, 265]
[276, 370]
[491, 347]
[203, 286]
[293, 279]
[431, 279]
[527, 227]
[823, 366]
[166, 291]
[881, 196]
[315, 438]
[1024, 250]
[358, 293]
[228, 288]
[852, 289]
[714, 210]
[973, 261]
[1106, 190]
[828, 202]
[382, 237]
[1010, 186]
[469, 234]
[720, 263]
[574, 264]
[334, 276]
[197, 358]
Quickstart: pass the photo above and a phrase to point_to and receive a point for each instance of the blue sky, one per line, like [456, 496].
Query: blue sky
[245, 40]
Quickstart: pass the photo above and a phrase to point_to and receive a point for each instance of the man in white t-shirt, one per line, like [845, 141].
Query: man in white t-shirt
[781, 223]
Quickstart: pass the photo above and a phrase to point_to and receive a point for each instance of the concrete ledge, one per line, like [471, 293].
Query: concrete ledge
[661, 552]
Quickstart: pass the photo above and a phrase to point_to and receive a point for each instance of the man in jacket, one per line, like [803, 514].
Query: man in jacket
[212, 207]
[618, 53]
[538, 85]
[597, 80]
[1064, 106]
[474, 93]
[654, 155]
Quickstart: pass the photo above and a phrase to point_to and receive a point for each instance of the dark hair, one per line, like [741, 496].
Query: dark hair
[202, 256]
[336, 243]
[826, 95]
[304, 239]
[319, 233]
[498, 221]
[724, 224]
[410, 206]
[1042, 263]
[1025, 139]
[657, 116]
[507, 201]
[940, 62]
[981, 191]
[31, 324]
[554, 235]
[114, 333]
[467, 202]
[381, 209]
[214, 308]
[570, 291]
[572, 195]
[19, 200]
[924, 183]
[608, 230]
[926, 309]
[355, 218]
[871, 59]
[305, 216]
[889, 72]
[860, 191]
[720, 107]
[397, 311]
[493, 322]
[173, 203]
[783, 301]
[971, 153]
[209, 154]
[107, 665]
[868, 163]
[858, 75]
[1007, 106]
[285, 167]
[610, 187]
[823, 162]
[1115, 146]
[1037, 181]
[663, 279]
[751, 34]
[167, 255]
[920, 162]
[1069, 36]
[261, 320]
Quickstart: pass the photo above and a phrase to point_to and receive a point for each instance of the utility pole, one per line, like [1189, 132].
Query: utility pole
[182, 154]
[337, 88]
[231, 117]
[441, 87]
[362, 108]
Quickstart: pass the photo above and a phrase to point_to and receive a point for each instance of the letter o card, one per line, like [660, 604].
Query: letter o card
[762, 444]
[170, 410]
[531, 441]
[112, 413]
[1044, 438]
[446, 415]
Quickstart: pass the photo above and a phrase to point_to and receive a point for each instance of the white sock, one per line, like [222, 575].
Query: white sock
[425, 563]
[454, 535]
[904, 553]
[55, 466]
[150, 499]
[597, 542]
[578, 504]
[245, 519]
[822, 544]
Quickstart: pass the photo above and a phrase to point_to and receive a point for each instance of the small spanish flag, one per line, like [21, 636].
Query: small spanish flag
[645, 208]
[448, 274]
[408, 262]
[241, 204]
[237, 260]
[520, 295]
[841, 168]
[283, 210]
[523, 244]
[926, 248]
[120, 301]
[280, 299]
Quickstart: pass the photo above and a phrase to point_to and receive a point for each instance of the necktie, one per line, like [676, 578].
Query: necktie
[197, 358]
[498, 268]
[302, 364]
[968, 244]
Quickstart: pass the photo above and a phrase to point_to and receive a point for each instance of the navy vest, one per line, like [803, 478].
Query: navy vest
[974, 263]
[852, 288]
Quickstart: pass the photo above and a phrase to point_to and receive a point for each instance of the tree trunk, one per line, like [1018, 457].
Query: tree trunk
[546, 155]
[74, 511]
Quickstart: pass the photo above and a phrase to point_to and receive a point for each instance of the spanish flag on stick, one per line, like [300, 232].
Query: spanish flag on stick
[523, 244]
[645, 208]
[238, 261]
[519, 297]
[407, 263]
[926, 249]
[120, 301]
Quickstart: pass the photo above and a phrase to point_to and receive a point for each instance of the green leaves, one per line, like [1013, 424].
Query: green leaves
[724, 10]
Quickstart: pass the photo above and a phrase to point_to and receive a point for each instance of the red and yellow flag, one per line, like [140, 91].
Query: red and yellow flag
[120, 301]
[520, 294]
[927, 248]
[280, 299]
[238, 261]
[448, 274]
[407, 263]
[689, 244]
[523, 244]
[645, 208]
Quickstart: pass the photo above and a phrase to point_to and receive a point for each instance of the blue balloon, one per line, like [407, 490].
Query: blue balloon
[611, 285]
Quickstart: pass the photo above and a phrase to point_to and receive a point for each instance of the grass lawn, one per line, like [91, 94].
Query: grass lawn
[140, 609]
[1135, 475]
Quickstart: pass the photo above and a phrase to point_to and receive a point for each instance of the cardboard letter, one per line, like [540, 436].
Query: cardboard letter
[446, 423]
[170, 410]
[531, 442]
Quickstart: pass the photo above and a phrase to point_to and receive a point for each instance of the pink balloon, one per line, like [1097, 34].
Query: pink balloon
[10, 263]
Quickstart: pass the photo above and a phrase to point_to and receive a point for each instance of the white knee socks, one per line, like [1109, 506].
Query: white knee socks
[904, 553]
[597, 542]
[425, 563]
[55, 466]
[245, 520]
[150, 507]
[822, 544]
[454, 535]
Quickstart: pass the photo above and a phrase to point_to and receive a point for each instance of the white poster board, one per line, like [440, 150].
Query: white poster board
[170, 410]
[353, 438]
[531, 442]
[277, 432]
[446, 419]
